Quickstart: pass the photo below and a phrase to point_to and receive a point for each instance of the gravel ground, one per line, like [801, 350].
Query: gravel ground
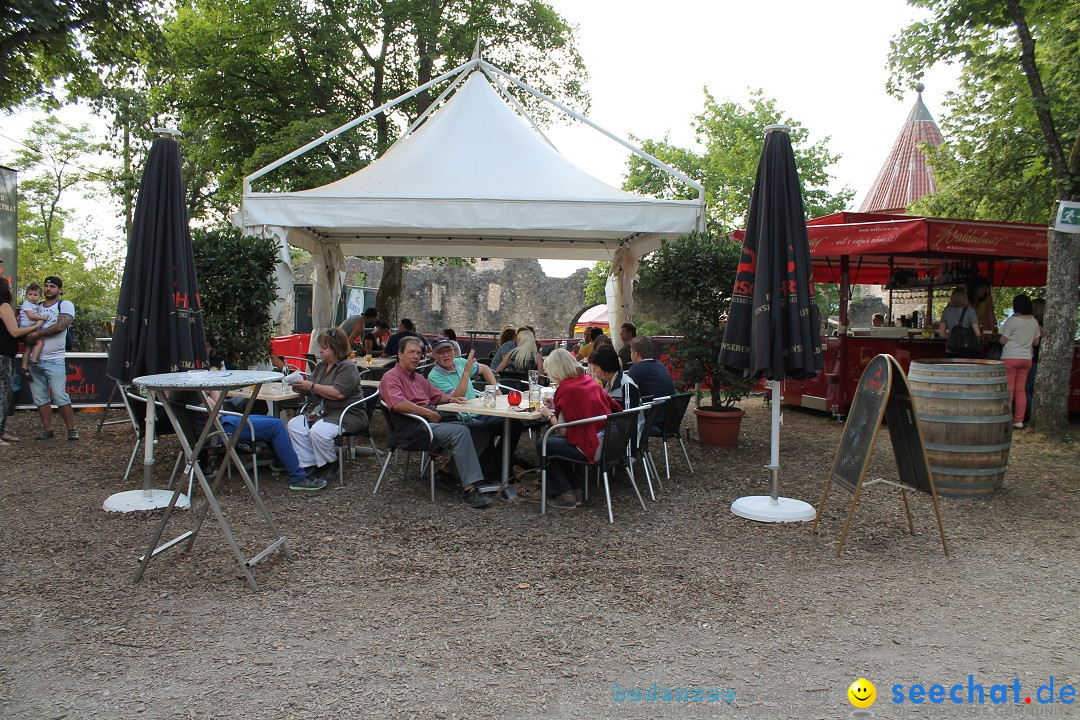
[396, 607]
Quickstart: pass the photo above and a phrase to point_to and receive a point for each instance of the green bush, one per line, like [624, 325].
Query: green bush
[697, 274]
[236, 288]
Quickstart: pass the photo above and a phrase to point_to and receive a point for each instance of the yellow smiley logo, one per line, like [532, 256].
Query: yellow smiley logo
[862, 693]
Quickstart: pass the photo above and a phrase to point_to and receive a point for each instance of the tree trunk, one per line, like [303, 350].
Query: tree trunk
[1050, 403]
[388, 301]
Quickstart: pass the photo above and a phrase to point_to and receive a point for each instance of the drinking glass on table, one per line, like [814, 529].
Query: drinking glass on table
[489, 396]
[534, 399]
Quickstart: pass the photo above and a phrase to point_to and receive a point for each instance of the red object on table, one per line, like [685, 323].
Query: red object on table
[514, 398]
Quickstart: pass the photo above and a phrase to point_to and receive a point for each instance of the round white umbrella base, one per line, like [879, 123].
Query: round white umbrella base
[763, 509]
[133, 500]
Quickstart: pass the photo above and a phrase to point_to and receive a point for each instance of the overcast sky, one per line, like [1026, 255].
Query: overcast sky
[823, 62]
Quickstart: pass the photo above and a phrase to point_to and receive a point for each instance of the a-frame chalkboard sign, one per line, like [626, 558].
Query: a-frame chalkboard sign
[883, 393]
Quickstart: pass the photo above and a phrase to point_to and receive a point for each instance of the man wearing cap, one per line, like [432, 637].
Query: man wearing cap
[50, 376]
[454, 376]
[404, 390]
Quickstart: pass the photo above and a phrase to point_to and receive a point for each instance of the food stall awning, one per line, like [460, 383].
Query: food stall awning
[878, 243]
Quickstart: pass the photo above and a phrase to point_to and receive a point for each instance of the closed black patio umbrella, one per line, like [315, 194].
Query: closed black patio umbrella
[159, 324]
[773, 327]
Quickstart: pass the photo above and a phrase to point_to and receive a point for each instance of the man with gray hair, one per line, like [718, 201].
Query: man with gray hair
[406, 391]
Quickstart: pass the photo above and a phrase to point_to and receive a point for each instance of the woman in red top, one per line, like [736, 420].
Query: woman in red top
[578, 396]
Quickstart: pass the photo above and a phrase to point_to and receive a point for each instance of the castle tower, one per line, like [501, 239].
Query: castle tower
[905, 177]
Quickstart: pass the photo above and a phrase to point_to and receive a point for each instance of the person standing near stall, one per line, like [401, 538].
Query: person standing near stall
[1019, 335]
[958, 313]
[980, 298]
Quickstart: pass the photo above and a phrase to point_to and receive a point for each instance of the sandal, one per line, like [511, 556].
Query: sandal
[9, 438]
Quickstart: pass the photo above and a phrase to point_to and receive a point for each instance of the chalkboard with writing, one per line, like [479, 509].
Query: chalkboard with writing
[863, 421]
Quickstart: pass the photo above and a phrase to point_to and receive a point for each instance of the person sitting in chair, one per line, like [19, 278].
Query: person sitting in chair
[406, 391]
[334, 384]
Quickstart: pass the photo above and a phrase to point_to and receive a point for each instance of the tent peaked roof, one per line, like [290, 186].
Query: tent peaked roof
[473, 180]
[905, 177]
[476, 147]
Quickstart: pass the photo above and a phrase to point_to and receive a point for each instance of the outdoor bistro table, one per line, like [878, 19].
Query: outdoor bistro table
[203, 382]
[363, 364]
[503, 410]
[271, 394]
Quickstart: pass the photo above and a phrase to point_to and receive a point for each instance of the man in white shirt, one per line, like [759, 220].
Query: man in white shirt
[49, 378]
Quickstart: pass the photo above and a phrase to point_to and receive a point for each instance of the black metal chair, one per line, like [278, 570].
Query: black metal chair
[421, 443]
[676, 408]
[616, 450]
[652, 411]
[368, 404]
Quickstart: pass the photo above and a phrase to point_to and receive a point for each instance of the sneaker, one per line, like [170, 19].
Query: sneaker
[73, 434]
[475, 499]
[25, 374]
[276, 467]
[329, 470]
[45, 435]
[1018, 425]
[566, 501]
[308, 483]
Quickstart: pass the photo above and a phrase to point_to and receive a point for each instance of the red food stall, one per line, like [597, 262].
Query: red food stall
[909, 253]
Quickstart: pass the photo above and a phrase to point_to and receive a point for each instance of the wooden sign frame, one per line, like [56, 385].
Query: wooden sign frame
[883, 394]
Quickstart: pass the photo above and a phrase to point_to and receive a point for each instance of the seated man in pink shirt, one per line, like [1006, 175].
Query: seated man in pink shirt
[406, 391]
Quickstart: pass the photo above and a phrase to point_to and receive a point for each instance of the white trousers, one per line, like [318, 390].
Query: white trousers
[314, 446]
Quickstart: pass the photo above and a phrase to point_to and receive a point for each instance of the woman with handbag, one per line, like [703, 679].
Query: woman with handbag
[1019, 335]
[334, 384]
[964, 342]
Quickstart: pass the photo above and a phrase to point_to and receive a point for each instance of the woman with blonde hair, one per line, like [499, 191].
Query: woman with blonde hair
[507, 343]
[526, 356]
[578, 396]
[959, 312]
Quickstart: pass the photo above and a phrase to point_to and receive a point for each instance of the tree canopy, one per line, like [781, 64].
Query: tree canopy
[43, 42]
[1017, 117]
[729, 139]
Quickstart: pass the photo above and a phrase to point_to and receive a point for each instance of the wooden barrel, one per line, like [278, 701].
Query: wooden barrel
[966, 421]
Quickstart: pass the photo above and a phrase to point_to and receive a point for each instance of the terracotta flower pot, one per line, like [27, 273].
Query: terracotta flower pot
[719, 427]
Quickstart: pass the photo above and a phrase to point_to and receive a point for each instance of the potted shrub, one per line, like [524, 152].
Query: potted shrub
[696, 273]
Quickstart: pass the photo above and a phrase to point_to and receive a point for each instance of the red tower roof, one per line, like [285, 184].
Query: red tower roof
[905, 177]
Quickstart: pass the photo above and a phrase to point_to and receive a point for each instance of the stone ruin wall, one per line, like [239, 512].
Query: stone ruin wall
[488, 296]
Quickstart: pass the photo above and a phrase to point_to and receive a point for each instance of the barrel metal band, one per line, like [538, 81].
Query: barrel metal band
[962, 420]
[962, 395]
[948, 380]
[968, 448]
[970, 472]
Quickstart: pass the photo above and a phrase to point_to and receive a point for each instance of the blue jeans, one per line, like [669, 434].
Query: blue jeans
[51, 378]
[271, 431]
[562, 476]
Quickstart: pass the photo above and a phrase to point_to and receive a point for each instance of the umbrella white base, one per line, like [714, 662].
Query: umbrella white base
[763, 509]
[133, 500]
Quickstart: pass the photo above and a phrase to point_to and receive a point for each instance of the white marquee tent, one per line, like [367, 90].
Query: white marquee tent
[474, 178]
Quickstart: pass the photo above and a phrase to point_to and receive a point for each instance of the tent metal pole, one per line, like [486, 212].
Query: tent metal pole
[353, 123]
[488, 67]
[519, 107]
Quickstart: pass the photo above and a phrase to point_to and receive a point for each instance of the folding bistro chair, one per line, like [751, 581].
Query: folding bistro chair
[620, 431]
[346, 439]
[676, 409]
[421, 441]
